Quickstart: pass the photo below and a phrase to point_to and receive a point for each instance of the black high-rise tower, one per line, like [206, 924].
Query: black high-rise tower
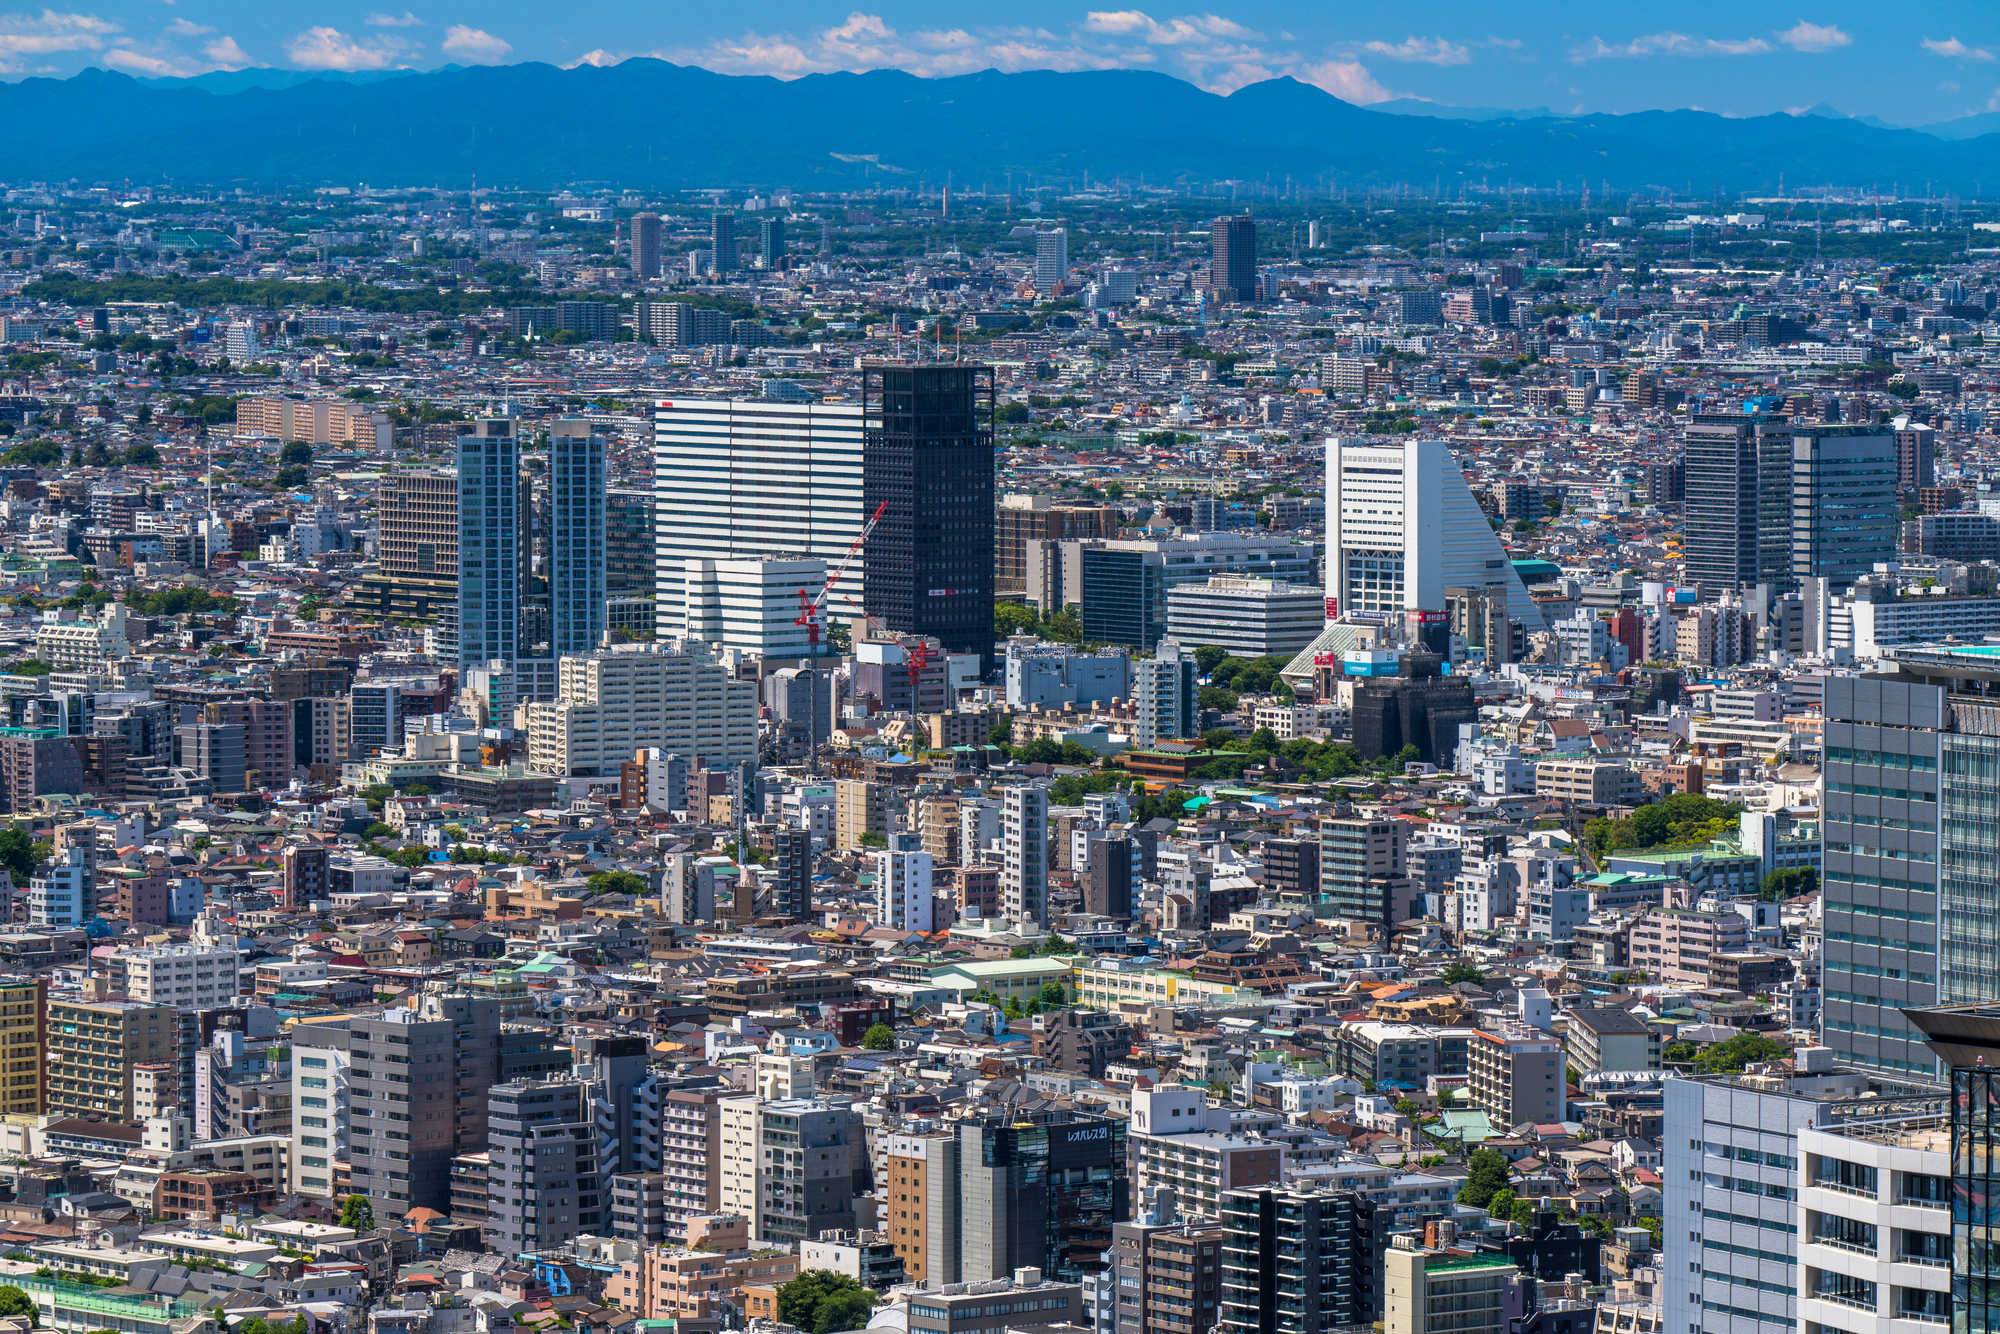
[928, 452]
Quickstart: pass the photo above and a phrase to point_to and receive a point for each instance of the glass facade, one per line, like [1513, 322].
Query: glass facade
[1975, 1186]
[1968, 862]
[1067, 1185]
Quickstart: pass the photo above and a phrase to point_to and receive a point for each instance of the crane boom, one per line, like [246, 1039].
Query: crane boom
[811, 608]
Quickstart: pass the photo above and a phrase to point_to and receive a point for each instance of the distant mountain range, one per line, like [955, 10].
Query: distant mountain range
[647, 123]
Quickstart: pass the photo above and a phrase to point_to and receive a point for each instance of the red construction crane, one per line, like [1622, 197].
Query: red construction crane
[810, 608]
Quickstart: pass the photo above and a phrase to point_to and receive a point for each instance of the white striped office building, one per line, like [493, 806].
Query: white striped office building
[737, 478]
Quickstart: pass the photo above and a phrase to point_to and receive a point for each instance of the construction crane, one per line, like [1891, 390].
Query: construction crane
[810, 611]
[918, 654]
[810, 608]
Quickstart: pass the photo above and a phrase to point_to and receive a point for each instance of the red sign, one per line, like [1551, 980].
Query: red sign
[1326, 660]
[1333, 609]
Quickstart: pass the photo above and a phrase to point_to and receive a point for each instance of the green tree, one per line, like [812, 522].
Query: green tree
[1502, 1203]
[1208, 657]
[1790, 882]
[801, 1301]
[872, 839]
[17, 854]
[297, 452]
[30, 667]
[378, 830]
[1011, 618]
[1486, 1172]
[377, 793]
[358, 1214]
[879, 1037]
[619, 882]
[290, 479]
[13, 1301]
[1728, 1058]
[1462, 972]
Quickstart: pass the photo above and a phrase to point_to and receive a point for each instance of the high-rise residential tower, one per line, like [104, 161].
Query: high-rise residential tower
[771, 241]
[735, 479]
[722, 241]
[1232, 259]
[576, 537]
[646, 245]
[1051, 260]
[494, 548]
[1738, 502]
[929, 457]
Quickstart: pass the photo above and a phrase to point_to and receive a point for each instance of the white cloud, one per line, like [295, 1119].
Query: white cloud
[1670, 44]
[1505, 43]
[31, 35]
[1956, 50]
[1811, 37]
[154, 66]
[1427, 50]
[474, 44]
[1174, 32]
[407, 20]
[329, 48]
[1211, 51]
[182, 28]
[1348, 80]
[228, 55]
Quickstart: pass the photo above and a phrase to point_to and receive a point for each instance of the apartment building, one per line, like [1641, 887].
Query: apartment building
[1517, 1074]
[1167, 1277]
[1589, 782]
[322, 1109]
[920, 1214]
[1874, 1249]
[1673, 945]
[1362, 869]
[187, 977]
[610, 705]
[1600, 1038]
[92, 1049]
[1429, 1291]
[542, 1185]
[859, 807]
[23, 1039]
[691, 1157]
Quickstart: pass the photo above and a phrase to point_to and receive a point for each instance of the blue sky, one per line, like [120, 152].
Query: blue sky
[1932, 62]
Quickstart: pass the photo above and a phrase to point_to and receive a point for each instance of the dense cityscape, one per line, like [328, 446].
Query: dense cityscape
[1060, 756]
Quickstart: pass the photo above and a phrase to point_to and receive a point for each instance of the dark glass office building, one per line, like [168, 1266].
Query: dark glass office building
[1042, 1195]
[928, 453]
[628, 543]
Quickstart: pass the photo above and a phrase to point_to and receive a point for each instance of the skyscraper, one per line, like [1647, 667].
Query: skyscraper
[494, 551]
[1738, 502]
[1232, 259]
[929, 457]
[1402, 526]
[771, 240]
[1051, 260]
[1843, 502]
[722, 241]
[577, 569]
[646, 245]
[736, 479]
